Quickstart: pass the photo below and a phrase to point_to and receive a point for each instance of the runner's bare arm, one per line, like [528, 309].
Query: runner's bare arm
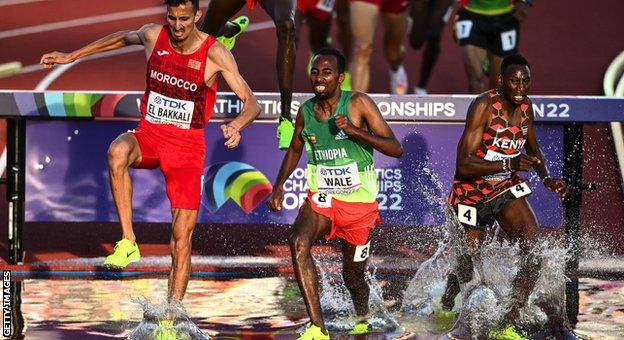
[468, 165]
[221, 60]
[378, 135]
[146, 35]
[291, 159]
[532, 148]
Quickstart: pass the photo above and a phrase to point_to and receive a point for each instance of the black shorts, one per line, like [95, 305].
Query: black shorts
[499, 34]
[482, 216]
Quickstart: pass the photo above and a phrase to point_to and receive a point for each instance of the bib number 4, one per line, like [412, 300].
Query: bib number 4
[467, 214]
[520, 190]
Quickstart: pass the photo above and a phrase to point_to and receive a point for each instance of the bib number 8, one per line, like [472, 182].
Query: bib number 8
[322, 199]
[362, 253]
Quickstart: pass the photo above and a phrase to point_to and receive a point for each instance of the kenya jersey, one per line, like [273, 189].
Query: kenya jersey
[176, 92]
[500, 140]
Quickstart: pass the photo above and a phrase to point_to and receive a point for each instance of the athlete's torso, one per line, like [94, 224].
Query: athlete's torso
[338, 164]
[176, 92]
[489, 7]
[500, 139]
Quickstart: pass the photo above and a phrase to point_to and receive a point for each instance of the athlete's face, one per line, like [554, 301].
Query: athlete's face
[324, 76]
[182, 20]
[515, 83]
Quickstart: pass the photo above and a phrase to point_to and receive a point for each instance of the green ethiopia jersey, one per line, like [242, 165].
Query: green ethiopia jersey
[338, 164]
[489, 7]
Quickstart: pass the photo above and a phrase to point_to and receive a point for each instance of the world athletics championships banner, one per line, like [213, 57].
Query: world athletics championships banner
[63, 105]
[67, 176]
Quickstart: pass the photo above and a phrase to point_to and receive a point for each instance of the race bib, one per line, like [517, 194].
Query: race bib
[463, 28]
[361, 253]
[164, 110]
[326, 5]
[322, 199]
[343, 179]
[520, 190]
[508, 40]
[467, 214]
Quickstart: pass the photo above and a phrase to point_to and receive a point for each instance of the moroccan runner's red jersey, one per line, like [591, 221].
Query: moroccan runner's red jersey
[176, 92]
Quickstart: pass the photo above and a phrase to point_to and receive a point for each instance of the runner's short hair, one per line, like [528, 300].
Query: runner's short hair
[339, 57]
[514, 59]
[174, 3]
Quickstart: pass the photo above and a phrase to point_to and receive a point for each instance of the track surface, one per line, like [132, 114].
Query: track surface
[569, 46]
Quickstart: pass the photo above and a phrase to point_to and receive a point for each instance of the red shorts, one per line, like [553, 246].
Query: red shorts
[320, 9]
[351, 221]
[180, 154]
[388, 6]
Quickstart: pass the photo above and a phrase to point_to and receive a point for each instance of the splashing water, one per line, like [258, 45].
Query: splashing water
[487, 297]
[183, 328]
[337, 306]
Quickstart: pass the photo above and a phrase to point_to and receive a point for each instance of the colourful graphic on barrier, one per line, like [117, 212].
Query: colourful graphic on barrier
[59, 104]
[238, 181]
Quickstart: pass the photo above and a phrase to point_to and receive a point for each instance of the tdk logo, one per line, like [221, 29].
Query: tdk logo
[337, 172]
[170, 103]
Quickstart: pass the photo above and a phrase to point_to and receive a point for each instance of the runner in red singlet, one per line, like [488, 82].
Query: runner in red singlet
[182, 69]
[487, 185]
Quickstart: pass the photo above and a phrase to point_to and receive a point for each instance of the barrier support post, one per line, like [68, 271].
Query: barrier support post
[573, 176]
[16, 186]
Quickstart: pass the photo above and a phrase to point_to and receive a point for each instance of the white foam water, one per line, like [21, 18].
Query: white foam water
[149, 328]
[337, 306]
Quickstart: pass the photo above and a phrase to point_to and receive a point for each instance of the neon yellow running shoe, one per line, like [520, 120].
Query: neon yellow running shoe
[346, 83]
[165, 331]
[359, 328]
[309, 67]
[242, 22]
[285, 132]
[444, 320]
[507, 333]
[125, 253]
[313, 332]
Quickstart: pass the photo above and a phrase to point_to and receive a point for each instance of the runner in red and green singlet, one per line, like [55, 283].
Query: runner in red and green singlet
[339, 131]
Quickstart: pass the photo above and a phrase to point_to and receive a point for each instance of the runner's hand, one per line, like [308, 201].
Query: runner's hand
[556, 185]
[523, 162]
[275, 201]
[49, 60]
[232, 136]
[344, 124]
[522, 11]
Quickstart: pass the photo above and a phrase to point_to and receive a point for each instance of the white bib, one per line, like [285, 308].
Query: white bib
[164, 110]
[343, 179]
[520, 190]
[362, 252]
